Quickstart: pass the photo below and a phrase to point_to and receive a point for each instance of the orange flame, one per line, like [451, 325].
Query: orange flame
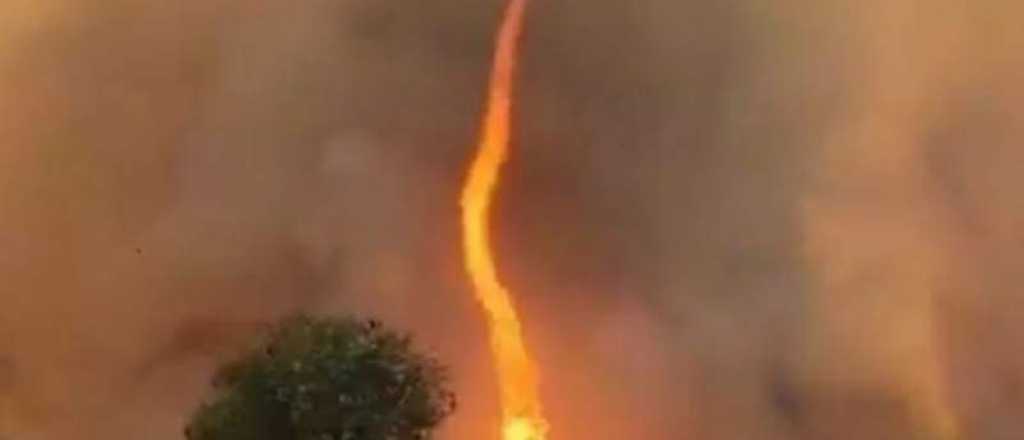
[517, 375]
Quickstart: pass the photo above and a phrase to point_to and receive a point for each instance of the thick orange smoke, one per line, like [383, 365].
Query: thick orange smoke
[517, 374]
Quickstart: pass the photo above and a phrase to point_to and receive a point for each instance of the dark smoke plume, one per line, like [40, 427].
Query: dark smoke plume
[723, 220]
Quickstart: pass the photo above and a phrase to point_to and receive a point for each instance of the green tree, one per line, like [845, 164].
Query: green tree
[326, 379]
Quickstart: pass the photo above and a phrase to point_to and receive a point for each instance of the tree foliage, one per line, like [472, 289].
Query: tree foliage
[326, 379]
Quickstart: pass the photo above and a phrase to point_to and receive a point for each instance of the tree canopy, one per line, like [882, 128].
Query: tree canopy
[326, 379]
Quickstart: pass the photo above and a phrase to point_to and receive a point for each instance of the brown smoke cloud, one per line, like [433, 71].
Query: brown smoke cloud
[724, 220]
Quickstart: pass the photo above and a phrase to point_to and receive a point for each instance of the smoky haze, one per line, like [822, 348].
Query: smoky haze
[722, 220]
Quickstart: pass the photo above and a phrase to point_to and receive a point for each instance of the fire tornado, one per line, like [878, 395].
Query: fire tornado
[517, 375]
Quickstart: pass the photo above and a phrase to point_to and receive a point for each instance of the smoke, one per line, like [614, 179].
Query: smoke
[723, 220]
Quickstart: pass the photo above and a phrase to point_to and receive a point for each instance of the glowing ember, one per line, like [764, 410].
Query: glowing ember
[517, 374]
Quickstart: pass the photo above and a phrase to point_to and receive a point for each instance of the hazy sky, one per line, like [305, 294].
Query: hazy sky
[722, 220]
